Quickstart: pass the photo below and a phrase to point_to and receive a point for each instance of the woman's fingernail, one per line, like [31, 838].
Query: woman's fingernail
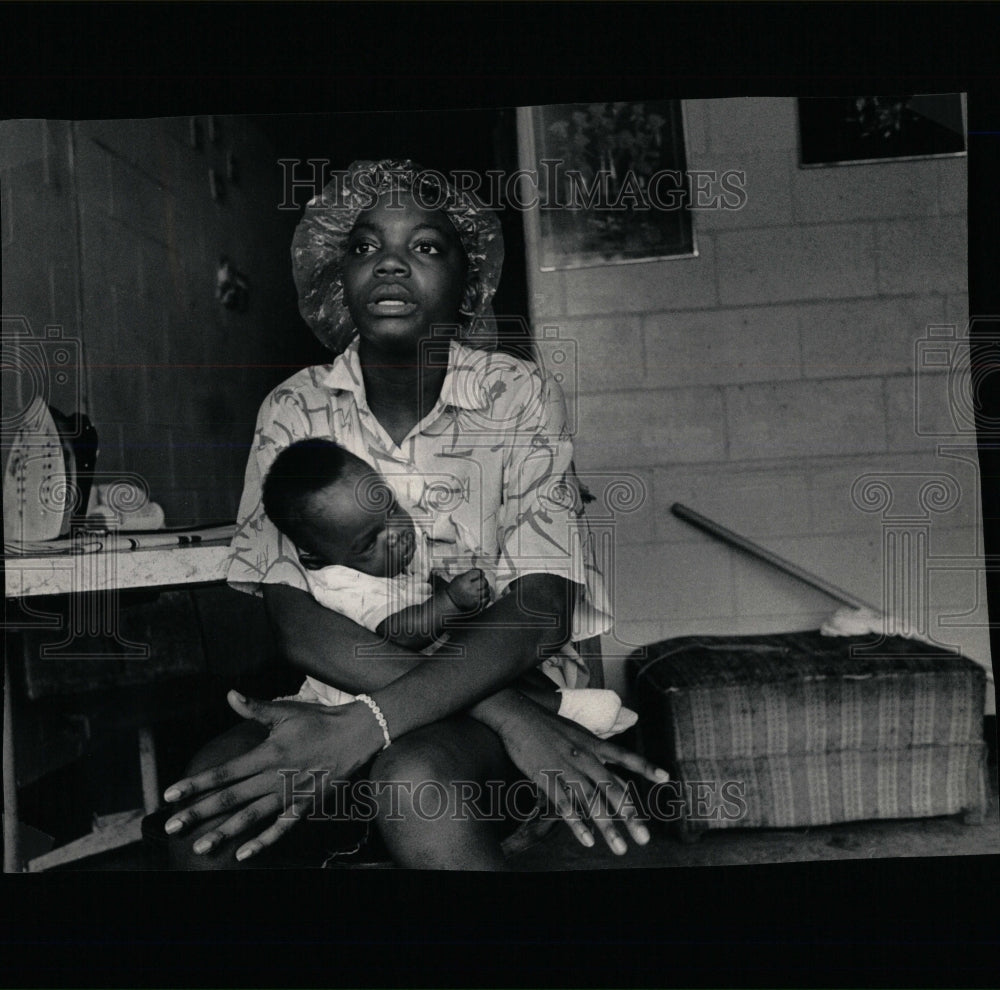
[239, 697]
[246, 852]
[618, 845]
[172, 794]
[202, 846]
[587, 839]
[174, 825]
[662, 775]
[642, 834]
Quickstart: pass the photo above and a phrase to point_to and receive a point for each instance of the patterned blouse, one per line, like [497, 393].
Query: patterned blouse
[487, 474]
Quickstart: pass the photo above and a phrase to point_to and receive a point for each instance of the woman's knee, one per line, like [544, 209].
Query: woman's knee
[441, 767]
[178, 846]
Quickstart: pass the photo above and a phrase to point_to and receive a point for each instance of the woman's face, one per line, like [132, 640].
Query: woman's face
[404, 273]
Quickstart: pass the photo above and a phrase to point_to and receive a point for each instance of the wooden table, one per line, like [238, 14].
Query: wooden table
[77, 574]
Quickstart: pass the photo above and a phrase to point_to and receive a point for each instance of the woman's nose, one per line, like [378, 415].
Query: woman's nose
[391, 263]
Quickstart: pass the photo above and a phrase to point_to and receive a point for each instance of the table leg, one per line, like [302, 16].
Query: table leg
[147, 767]
[11, 843]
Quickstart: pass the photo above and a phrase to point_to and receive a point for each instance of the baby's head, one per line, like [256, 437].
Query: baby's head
[337, 510]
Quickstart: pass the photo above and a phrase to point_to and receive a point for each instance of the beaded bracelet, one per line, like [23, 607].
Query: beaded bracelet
[379, 717]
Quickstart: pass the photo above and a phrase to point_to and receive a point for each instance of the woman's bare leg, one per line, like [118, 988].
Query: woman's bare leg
[424, 784]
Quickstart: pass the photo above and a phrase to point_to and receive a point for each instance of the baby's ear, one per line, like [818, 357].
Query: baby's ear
[311, 561]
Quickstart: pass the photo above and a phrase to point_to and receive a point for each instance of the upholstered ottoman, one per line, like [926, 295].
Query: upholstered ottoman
[803, 729]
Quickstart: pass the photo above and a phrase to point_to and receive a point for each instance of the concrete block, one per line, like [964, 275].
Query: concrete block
[144, 455]
[953, 186]
[110, 255]
[669, 581]
[752, 502]
[141, 330]
[927, 409]
[120, 394]
[766, 184]
[61, 269]
[950, 540]
[751, 122]
[114, 135]
[548, 294]
[56, 165]
[796, 419]
[835, 510]
[93, 180]
[608, 351]
[865, 337]
[956, 307]
[6, 210]
[928, 255]
[678, 283]
[140, 202]
[624, 505]
[627, 636]
[762, 625]
[959, 593]
[695, 121]
[779, 264]
[863, 192]
[143, 143]
[100, 318]
[721, 346]
[185, 173]
[850, 562]
[22, 144]
[178, 129]
[636, 429]
[110, 445]
[25, 286]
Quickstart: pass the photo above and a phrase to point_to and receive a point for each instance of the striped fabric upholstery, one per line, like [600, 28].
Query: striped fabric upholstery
[818, 729]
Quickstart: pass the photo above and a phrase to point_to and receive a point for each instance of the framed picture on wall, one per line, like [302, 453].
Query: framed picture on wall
[612, 185]
[863, 129]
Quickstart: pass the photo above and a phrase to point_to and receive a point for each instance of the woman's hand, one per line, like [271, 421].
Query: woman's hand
[568, 765]
[303, 740]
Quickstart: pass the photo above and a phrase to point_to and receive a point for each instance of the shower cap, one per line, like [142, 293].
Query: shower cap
[320, 241]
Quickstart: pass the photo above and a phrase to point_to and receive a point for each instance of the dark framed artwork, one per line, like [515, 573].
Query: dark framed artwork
[612, 183]
[863, 129]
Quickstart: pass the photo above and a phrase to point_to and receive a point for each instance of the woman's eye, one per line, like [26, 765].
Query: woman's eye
[427, 247]
[362, 247]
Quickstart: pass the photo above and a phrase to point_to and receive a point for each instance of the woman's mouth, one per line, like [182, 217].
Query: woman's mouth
[391, 307]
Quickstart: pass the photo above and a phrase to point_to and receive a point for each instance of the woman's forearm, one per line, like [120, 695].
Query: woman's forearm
[494, 648]
[330, 647]
[333, 649]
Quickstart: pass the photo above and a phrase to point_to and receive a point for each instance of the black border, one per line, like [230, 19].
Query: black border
[861, 923]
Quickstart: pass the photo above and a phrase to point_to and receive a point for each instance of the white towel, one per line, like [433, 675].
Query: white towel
[601, 711]
[849, 621]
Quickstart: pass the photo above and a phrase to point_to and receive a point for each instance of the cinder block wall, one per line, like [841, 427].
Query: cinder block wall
[111, 232]
[758, 381]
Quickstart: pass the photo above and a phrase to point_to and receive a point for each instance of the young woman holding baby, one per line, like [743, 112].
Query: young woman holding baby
[393, 268]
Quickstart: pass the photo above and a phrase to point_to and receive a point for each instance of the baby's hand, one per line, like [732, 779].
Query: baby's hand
[470, 590]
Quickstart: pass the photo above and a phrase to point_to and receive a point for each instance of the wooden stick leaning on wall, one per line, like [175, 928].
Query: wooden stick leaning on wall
[742, 543]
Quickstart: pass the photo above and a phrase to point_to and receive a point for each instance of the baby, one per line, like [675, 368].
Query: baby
[352, 535]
